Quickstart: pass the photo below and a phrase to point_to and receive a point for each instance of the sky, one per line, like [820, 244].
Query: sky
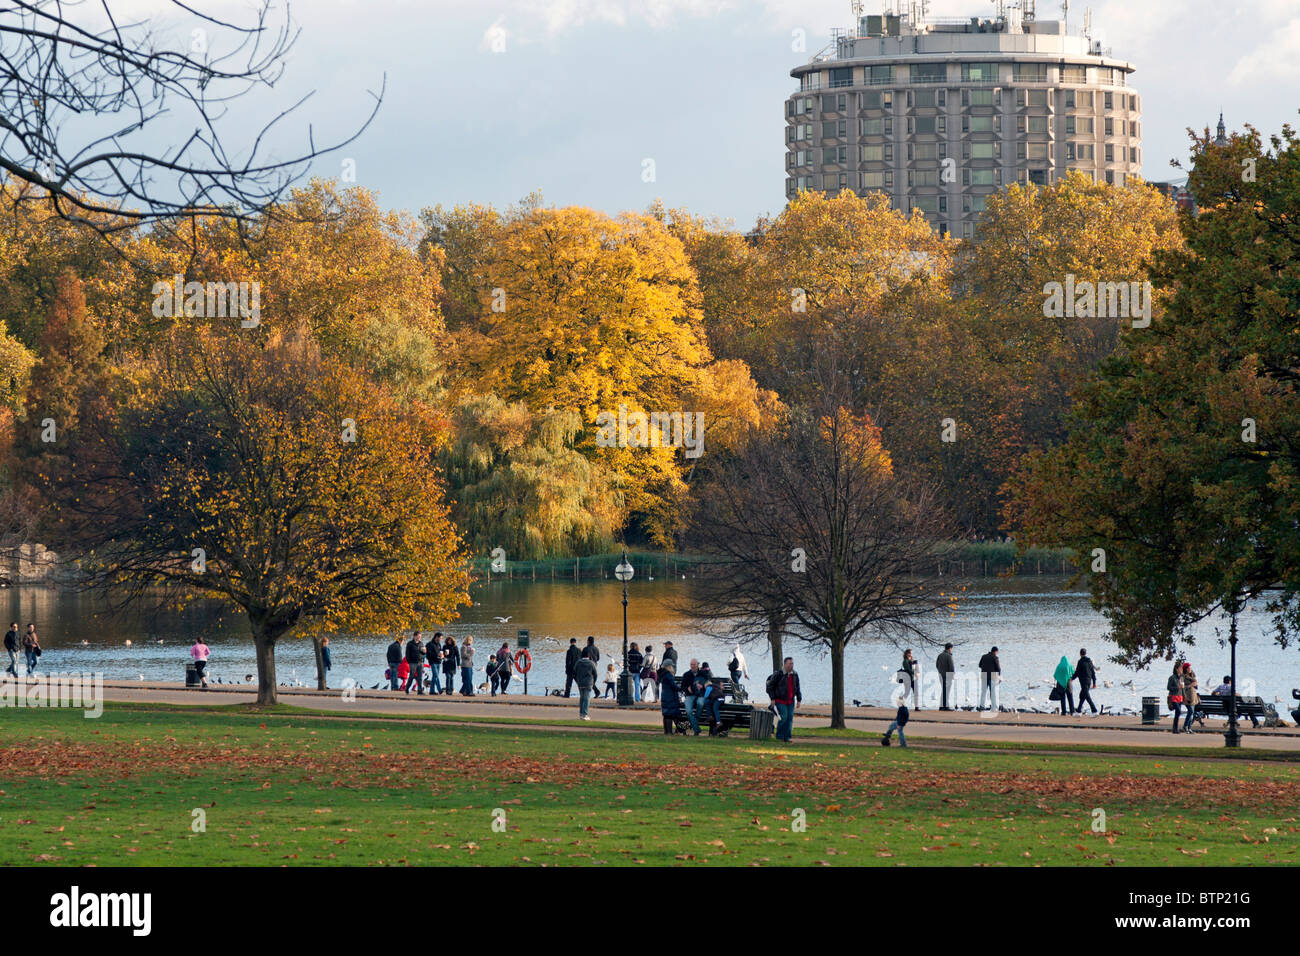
[587, 100]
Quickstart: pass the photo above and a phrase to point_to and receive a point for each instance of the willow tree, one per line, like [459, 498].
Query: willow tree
[269, 476]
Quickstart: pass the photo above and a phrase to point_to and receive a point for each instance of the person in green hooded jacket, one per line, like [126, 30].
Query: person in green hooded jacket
[1064, 674]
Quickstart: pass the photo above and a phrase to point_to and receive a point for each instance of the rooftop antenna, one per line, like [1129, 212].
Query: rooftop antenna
[1065, 14]
[1028, 8]
[1087, 24]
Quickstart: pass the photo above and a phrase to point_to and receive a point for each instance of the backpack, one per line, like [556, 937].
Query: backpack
[774, 684]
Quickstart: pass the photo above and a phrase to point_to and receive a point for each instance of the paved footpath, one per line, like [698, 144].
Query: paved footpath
[956, 726]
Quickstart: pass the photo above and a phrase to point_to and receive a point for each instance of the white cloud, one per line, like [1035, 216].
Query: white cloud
[1275, 60]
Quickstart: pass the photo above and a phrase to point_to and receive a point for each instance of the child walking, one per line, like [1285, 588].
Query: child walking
[900, 721]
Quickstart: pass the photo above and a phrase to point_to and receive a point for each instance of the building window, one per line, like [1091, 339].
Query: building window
[1030, 72]
[1110, 153]
[979, 72]
[924, 124]
[1038, 177]
[1037, 124]
[834, 102]
[873, 180]
[981, 150]
[873, 154]
[880, 75]
[979, 97]
[929, 72]
[1037, 150]
[977, 124]
[841, 76]
[923, 150]
[1074, 74]
[928, 204]
[977, 177]
[1109, 100]
[835, 128]
[927, 98]
[1110, 126]
[873, 127]
[923, 177]
[835, 154]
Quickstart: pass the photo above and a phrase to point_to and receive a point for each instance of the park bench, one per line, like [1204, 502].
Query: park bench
[1252, 708]
[732, 714]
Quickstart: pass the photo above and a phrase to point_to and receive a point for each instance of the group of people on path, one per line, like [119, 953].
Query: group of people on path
[441, 658]
[28, 643]
[1083, 671]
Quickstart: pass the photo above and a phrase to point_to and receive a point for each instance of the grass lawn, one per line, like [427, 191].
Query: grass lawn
[276, 788]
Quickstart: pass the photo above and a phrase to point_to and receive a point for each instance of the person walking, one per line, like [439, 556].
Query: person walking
[611, 679]
[650, 676]
[505, 668]
[1087, 675]
[909, 675]
[1174, 687]
[900, 721]
[433, 654]
[450, 663]
[571, 658]
[670, 701]
[584, 675]
[394, 661]
[467, 666]
[784, 691]
[737, 666]
[491, 672]
[944, 665]
[1064, 674]
[691, 690]
[414, 664]
[990, 675]
[635, 661]
[11, 646]
[201, 652]
[1191, 697]
[325, 662]
[31, 648]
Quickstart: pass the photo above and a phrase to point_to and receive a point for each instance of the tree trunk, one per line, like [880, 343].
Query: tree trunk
[774, 640]
[320, 664]
[837, 684]
[266, 688]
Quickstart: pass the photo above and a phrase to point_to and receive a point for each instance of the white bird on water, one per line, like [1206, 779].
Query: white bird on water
[504, 620]
[128, 642]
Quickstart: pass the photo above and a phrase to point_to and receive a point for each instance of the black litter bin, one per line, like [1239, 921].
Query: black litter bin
[191, 674]
[1150, 710]
[760, 724]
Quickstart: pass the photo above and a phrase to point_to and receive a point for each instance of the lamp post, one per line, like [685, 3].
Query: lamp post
[1232, 737]
[624, 573]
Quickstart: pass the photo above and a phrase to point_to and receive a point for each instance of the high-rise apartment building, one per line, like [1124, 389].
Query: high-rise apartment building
[939, 113]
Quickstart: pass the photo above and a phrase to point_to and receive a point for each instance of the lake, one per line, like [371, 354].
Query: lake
[1032, 619]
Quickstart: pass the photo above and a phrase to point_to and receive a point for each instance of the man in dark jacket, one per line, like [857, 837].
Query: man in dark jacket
[433, 654]
[1087, 675]
[784, 695]
[415, 661]
[990, 674]
[946, 668]
[670, 654]
[571, 658]
[394, 662]
[635, 661]
[11, 645]
[691, 689]
[585, 676]
[592, 651]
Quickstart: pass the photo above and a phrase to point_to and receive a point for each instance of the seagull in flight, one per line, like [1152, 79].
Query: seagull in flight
[504, 620]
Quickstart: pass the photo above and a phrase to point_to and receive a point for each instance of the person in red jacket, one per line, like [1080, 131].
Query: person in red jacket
[785, 693]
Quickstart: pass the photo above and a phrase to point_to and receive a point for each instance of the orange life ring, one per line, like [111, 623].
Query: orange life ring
[523, 661]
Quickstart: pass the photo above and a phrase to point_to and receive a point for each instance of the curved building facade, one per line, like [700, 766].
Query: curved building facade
[940, 114]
